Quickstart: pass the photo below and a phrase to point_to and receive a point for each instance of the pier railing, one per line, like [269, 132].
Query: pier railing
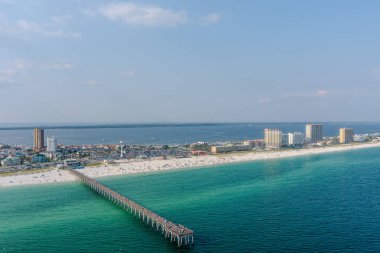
[175, 232]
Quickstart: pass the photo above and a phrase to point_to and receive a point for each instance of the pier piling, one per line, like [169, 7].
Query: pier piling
[176, 232]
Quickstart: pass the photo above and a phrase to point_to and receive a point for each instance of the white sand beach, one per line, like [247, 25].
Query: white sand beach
[124, 167]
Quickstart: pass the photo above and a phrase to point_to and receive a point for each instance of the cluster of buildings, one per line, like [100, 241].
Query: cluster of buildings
[39, 141]
[11, 161]
[275, 138]
[53, 154]
[49, 153]
[18, 155]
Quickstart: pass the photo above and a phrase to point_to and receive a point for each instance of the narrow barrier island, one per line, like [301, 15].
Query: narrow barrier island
[176, 232]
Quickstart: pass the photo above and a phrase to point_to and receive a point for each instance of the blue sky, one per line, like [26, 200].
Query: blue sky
[189, 61]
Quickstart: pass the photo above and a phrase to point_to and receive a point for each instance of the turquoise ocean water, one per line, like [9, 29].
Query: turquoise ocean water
[320, 203]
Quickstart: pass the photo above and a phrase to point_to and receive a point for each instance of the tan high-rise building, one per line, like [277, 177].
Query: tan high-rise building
[38, 139]
[346, 135]
[314, 133]
[273, 138]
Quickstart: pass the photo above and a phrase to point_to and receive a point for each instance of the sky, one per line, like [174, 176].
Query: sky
[189, 61]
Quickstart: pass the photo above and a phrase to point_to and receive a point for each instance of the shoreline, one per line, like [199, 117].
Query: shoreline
[127, 167]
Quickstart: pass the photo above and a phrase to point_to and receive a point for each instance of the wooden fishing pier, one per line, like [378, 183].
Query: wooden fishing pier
[176, 232]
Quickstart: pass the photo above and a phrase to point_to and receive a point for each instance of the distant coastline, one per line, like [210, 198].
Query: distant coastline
[126, 167]
[162, 133]
[97, 126]
[28, 126]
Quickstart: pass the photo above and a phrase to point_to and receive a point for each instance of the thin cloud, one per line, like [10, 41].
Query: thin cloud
[91, 82]
[24, 29]
[7, 2]
[146, 15]
[59, 66]
[212, 18]
[6, 75]
[310, 94]
[149, 15]
[61, 20]
[322, 93]
[16, 72]
[10, 72]
[21, 64]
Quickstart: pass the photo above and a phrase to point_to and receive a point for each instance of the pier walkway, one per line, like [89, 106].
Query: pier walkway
[176, 232]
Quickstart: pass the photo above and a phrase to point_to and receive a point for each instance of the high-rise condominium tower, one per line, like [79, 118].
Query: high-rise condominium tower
[38, 139]
[346, 135]
[314, 133]
[51, 144]
[273, 138]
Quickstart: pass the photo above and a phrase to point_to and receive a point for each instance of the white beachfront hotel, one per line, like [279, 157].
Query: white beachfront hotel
[51, 143]
[296, 138]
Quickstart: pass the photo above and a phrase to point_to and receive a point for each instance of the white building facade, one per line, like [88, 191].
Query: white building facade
[11, 161]
[51, 143]
[296, 138]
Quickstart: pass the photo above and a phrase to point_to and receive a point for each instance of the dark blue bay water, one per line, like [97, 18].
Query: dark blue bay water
[164, 134]
[320, 203]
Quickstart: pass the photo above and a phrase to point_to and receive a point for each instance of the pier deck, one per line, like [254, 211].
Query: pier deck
[176, 232]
